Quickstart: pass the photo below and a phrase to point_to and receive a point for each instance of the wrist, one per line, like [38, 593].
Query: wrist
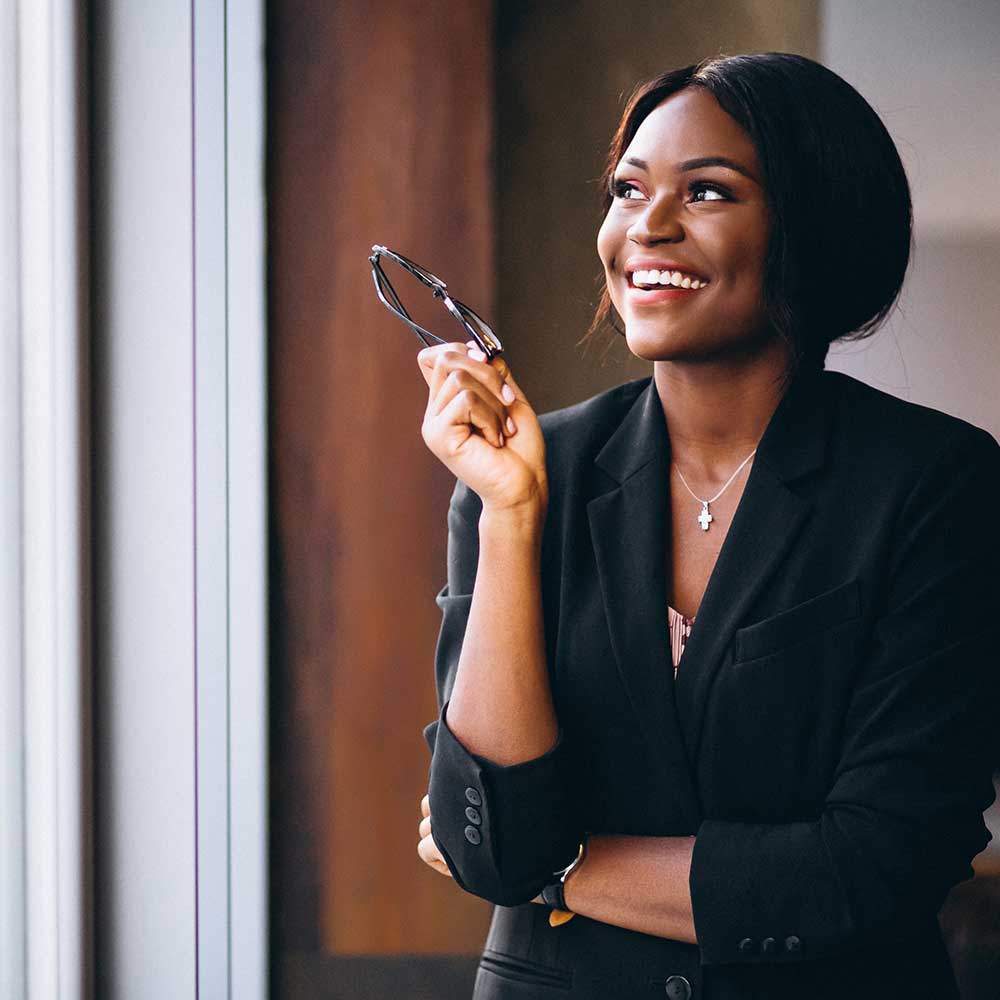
[572, 873]
[527, 518]
[554, 894]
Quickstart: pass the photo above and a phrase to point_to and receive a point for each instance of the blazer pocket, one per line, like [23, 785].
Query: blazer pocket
[842, 604]
[520, 970]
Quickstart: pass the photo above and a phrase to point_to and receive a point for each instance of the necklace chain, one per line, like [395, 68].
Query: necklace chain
[705, 517]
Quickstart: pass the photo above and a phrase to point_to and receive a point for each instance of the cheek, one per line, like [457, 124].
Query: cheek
[755, 248]
[606, 243]
[742, 265]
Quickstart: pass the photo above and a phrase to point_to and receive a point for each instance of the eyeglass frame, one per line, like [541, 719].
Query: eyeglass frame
[440, 290]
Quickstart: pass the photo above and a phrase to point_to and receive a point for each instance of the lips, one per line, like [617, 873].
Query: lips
[650, 296]
[650, 263]
[678, 288]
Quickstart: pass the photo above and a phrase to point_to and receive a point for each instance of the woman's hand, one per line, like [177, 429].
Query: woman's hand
[465, 426]
[428, 850]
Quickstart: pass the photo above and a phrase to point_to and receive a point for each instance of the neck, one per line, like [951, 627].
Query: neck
[717, 414]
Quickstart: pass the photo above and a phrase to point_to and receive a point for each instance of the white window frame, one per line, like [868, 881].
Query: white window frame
[133, 644]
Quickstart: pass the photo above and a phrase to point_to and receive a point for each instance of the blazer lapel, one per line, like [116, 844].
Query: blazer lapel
[629, 526]
[768, 518]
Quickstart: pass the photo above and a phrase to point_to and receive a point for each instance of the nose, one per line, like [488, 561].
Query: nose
[657, 224]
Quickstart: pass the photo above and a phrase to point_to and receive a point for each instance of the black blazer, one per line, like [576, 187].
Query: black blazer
[831, 734]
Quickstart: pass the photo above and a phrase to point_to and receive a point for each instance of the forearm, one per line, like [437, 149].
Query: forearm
[640, 883]
[501, 704]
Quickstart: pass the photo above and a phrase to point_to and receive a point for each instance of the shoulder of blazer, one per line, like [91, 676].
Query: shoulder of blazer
[892, 430]
[576, 433]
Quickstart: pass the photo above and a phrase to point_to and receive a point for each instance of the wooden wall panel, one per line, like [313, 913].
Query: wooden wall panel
[380, 131]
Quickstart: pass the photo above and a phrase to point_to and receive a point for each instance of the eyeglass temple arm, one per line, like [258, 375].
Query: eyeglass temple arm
[427, 338]
[440, 290]
[462, 308]
[436, 285]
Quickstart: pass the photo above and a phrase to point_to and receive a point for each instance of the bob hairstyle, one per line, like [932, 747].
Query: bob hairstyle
[842, 219]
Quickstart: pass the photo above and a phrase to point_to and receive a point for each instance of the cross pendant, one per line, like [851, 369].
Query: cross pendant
[704, 517]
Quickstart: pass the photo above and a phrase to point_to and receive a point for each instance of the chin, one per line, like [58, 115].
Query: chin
[654, 346]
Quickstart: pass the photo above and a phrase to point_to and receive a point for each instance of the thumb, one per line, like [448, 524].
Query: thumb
[499, 362]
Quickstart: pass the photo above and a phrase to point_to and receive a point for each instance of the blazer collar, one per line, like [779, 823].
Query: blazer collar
[792, 445]
[629, 528]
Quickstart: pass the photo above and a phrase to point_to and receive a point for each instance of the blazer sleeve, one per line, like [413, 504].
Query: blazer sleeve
[904, 816]
[502, 830]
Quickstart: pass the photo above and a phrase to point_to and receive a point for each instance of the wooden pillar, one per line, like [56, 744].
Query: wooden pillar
[380, 131]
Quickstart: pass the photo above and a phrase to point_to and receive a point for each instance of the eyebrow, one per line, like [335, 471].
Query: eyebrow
[701, 161]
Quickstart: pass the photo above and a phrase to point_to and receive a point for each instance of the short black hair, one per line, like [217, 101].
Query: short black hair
[839, 197]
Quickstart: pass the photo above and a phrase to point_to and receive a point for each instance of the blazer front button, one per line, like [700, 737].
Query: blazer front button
[473, 796]
[678, 988]
[472, 835]
[746, 946]
[769, 946]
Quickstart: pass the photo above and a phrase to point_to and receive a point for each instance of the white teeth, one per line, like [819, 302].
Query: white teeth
[676, 279]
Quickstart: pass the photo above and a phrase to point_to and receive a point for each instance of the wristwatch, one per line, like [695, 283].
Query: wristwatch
[554, 893]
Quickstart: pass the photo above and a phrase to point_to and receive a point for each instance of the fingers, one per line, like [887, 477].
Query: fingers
[459, 383]
[450, 368]
[469, 409]
[518, 391]
[428, 852]
[499, 363]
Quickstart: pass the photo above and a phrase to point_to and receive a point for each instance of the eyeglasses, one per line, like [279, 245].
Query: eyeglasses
[472, 322]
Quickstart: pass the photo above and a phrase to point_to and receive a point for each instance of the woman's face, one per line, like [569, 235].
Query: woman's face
[709, 222]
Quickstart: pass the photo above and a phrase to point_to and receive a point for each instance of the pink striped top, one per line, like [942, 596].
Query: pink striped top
[680, 629]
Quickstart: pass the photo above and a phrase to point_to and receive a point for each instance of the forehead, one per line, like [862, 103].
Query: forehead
[687, 125]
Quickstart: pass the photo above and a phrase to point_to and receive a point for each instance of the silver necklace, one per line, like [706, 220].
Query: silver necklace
[705, 518]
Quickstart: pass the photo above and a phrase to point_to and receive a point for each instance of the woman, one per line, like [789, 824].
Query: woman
[722, 640]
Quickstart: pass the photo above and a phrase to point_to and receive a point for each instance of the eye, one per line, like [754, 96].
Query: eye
[622, 189]
[723, 194]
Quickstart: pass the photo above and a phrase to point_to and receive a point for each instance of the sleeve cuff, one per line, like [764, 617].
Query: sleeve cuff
[502, 830]
[741, 912]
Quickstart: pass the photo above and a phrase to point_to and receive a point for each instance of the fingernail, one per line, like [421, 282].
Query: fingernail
[511, 427]
[477, 355]
[501, 440]
[508, 393]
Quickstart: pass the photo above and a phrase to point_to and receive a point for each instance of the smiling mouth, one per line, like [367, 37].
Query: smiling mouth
[653, 280]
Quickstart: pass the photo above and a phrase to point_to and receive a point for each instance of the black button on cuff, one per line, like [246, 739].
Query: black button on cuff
[746, 946]
[472, 794]
[472, 835]
[793, 944]
[472, 815]
[678, 988]
[769, 946]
